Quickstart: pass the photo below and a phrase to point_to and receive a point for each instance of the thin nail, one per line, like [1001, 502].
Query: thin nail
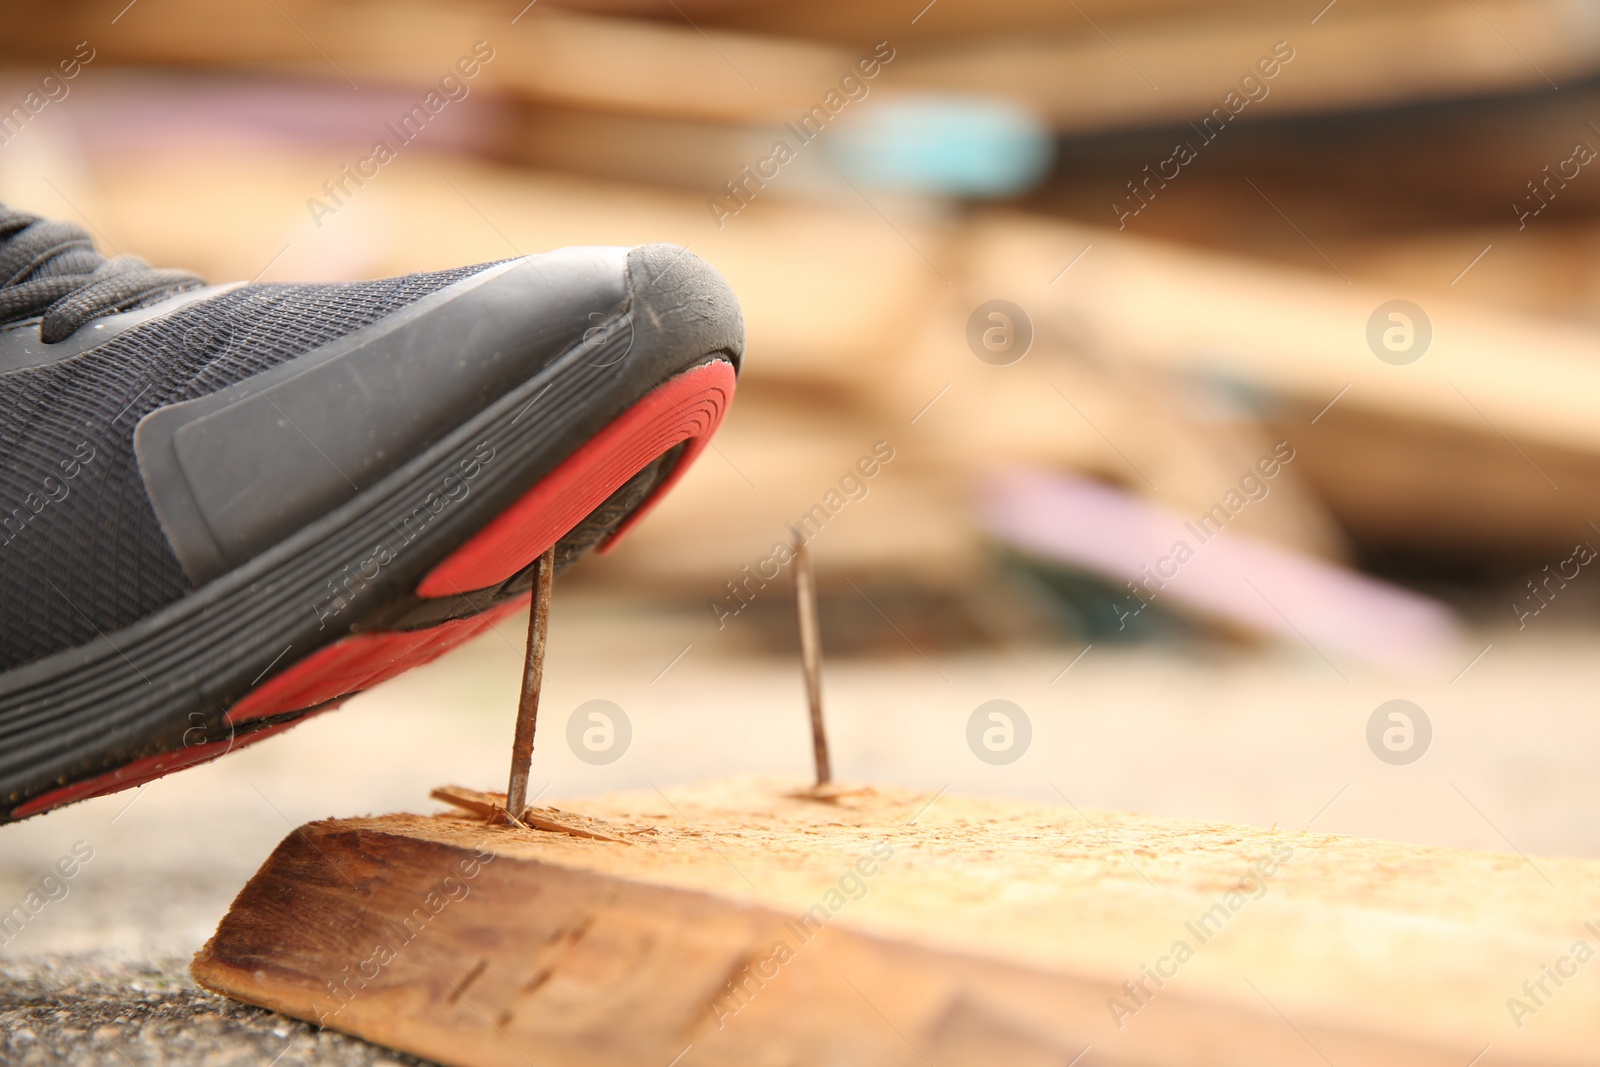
[805, 588]
[532, 680]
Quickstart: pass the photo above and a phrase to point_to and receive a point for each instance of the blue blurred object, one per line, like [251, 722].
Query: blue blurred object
[955, 145]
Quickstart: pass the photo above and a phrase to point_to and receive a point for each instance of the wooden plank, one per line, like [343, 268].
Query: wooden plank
[852, 21]
[1352, 179]
[562, 56]
[1058, 62]
[743, 922]
[1179, 70]
[1445, 497]
[1297, 333]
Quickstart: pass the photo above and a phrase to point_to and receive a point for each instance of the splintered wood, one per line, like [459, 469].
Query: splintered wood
[746, 924]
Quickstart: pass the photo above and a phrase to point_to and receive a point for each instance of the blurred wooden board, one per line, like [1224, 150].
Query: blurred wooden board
[1345, 179]
[740, 923]
[1179, 70]
[1443, 497]
[851, 21]
[1117, 65]
[1297, 333]
[1487, 442]
[631, 65]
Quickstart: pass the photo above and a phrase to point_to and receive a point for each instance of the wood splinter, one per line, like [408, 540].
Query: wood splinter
[532, 680]
[492, 807]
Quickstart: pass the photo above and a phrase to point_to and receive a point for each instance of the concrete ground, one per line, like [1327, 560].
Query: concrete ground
[1208, 732]
[97, 1008]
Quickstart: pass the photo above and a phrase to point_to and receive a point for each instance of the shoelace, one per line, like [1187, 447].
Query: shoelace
[50, 270]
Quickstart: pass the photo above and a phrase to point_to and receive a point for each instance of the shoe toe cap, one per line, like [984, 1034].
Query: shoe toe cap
[235, 472]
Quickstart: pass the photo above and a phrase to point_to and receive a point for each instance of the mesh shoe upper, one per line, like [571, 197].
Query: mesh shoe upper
[81, 551]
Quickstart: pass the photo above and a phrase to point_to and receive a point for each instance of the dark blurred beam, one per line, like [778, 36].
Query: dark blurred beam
[1379, 172]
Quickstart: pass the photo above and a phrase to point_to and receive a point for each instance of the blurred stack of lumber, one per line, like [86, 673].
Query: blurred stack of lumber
[1184, 319]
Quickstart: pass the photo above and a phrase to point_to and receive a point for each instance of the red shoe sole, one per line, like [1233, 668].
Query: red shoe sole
[688, 407]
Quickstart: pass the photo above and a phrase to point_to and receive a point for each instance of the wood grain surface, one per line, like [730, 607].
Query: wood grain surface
[745, 923]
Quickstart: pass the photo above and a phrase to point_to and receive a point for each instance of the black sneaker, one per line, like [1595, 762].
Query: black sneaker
[226, 508]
